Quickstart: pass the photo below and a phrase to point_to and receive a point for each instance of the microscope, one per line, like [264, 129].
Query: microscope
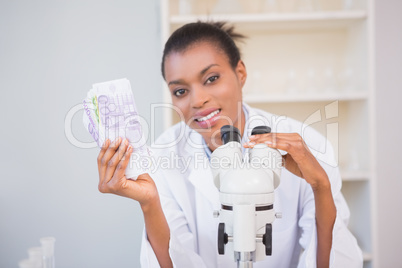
[246, 191]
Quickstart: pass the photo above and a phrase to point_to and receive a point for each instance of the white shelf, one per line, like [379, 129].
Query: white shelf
[337, 39]
[288, 98]
[367, 257]
[334, 19]
[355, 175]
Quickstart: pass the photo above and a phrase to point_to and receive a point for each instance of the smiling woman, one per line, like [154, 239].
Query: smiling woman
[201, 91]
[205, 75]
[207, 93]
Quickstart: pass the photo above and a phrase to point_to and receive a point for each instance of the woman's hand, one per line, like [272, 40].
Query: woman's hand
[299, 159]
[302, 163]
[112, 162]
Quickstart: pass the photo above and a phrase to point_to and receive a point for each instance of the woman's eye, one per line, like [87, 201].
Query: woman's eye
[179, 92]
[212, 79]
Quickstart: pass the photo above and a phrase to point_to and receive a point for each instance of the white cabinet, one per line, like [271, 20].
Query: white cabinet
[311, 60]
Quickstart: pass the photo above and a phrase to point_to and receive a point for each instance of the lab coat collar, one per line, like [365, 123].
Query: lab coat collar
[200, 173]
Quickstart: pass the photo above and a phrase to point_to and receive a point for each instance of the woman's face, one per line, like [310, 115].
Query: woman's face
[206, 89]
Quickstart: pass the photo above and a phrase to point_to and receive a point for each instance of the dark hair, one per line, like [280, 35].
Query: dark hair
[218, 33]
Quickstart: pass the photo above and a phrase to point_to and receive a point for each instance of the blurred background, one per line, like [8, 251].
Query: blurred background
[341, 58]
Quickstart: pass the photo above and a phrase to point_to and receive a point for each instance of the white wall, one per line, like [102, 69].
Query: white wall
[51, 52]
[389, 128]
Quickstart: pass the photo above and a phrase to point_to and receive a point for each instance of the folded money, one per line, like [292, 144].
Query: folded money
[110, 112]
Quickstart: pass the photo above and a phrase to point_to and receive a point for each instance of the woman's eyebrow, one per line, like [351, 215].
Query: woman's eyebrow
[203, 71]
[175, 82]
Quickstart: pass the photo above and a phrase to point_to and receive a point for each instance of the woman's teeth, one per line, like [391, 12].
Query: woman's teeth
[208, 116]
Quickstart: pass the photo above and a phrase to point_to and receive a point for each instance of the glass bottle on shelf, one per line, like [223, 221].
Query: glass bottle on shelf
[27, 264]
[287, 6]
[253, 6]
[291, 82]
[48, 251]
[332, 5]
[330, 84]
[307, 5]
[270, 6]
[346, 78]
[348, 4]
[256, 82]
[35, 255]
[354, 161]
[311, 83]
[227, 7]
[185, 7]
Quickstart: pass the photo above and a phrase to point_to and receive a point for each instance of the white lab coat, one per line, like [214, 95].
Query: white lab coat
[189, 197]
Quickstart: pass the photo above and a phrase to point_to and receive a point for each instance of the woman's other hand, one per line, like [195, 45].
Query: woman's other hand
[299, 160]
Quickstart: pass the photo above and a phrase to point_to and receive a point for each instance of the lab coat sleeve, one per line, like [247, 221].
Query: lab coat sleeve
[345, 251]
[182, 245]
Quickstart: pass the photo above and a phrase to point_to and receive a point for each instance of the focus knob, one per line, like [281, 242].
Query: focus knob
[261, 130]
[230, 133]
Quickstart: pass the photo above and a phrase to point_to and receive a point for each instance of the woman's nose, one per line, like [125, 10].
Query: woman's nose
[199, 97]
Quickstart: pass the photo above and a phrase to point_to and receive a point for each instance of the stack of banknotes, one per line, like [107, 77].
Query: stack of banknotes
[110, 112]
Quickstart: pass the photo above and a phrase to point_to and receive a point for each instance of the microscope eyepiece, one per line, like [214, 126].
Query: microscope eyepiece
[230, 133]
[261, 130]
